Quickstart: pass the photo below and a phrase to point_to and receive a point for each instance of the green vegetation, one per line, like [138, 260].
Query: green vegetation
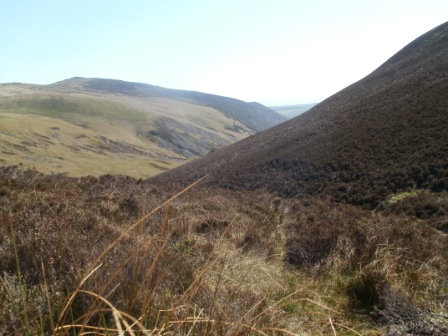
[53, 145]
[402, 196]
[83, 126]
[71, 108]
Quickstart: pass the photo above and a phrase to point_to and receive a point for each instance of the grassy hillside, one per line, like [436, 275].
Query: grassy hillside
[53, 145]
[255, 116]
[74, 127]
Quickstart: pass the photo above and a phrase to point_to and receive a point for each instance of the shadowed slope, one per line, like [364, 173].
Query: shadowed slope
[381, 135]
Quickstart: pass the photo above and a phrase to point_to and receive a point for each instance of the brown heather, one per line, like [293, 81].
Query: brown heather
[384, 134]
[107, 256]
[334, 223]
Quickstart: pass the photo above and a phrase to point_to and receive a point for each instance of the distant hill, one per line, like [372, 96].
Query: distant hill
[291, 111]
[255, 116]
[384, 134]
[95, 126]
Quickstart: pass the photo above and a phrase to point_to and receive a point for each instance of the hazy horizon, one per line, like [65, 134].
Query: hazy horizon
[275, 53]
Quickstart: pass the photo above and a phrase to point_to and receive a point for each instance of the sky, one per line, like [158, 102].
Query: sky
[276, 52]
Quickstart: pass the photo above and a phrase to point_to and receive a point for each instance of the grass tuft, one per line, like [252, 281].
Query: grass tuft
[205, 263]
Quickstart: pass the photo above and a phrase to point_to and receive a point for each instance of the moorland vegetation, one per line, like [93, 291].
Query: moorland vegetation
[104, 255]
[383, 135]
[333, 223]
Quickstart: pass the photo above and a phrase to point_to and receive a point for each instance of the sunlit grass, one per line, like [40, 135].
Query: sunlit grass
[70, 132]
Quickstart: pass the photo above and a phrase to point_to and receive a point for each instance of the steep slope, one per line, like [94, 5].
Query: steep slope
[382, 135]
[95, 126]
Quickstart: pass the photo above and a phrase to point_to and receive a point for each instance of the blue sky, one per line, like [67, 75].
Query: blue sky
[271, 51]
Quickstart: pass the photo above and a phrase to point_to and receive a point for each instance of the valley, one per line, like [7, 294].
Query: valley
[154, 211]
[291, 111]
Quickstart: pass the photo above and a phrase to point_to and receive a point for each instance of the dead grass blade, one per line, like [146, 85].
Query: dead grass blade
[93, 268]
[120, 319]
[332, 326]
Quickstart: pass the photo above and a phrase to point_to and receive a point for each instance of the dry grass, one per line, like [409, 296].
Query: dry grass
[56, 146]
[81, 132]
[110, 256]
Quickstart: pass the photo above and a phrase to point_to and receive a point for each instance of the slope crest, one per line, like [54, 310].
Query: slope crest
[253, 115]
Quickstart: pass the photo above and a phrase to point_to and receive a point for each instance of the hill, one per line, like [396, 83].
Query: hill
[114, 254]
[95, 126]
[384, 134]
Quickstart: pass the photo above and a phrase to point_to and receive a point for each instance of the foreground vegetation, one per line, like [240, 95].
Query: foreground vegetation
[116, 255]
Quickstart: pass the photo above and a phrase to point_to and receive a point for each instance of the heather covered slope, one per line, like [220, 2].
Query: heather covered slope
[382, 135]
[77, 252]
[96, 126]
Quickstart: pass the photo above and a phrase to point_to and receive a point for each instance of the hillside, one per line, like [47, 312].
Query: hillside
[90, 254]
[95, 126]
[119, 255]
[384, 134]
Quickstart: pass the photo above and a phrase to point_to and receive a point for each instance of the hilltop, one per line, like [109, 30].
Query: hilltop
[384, 134]
[95, 126]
